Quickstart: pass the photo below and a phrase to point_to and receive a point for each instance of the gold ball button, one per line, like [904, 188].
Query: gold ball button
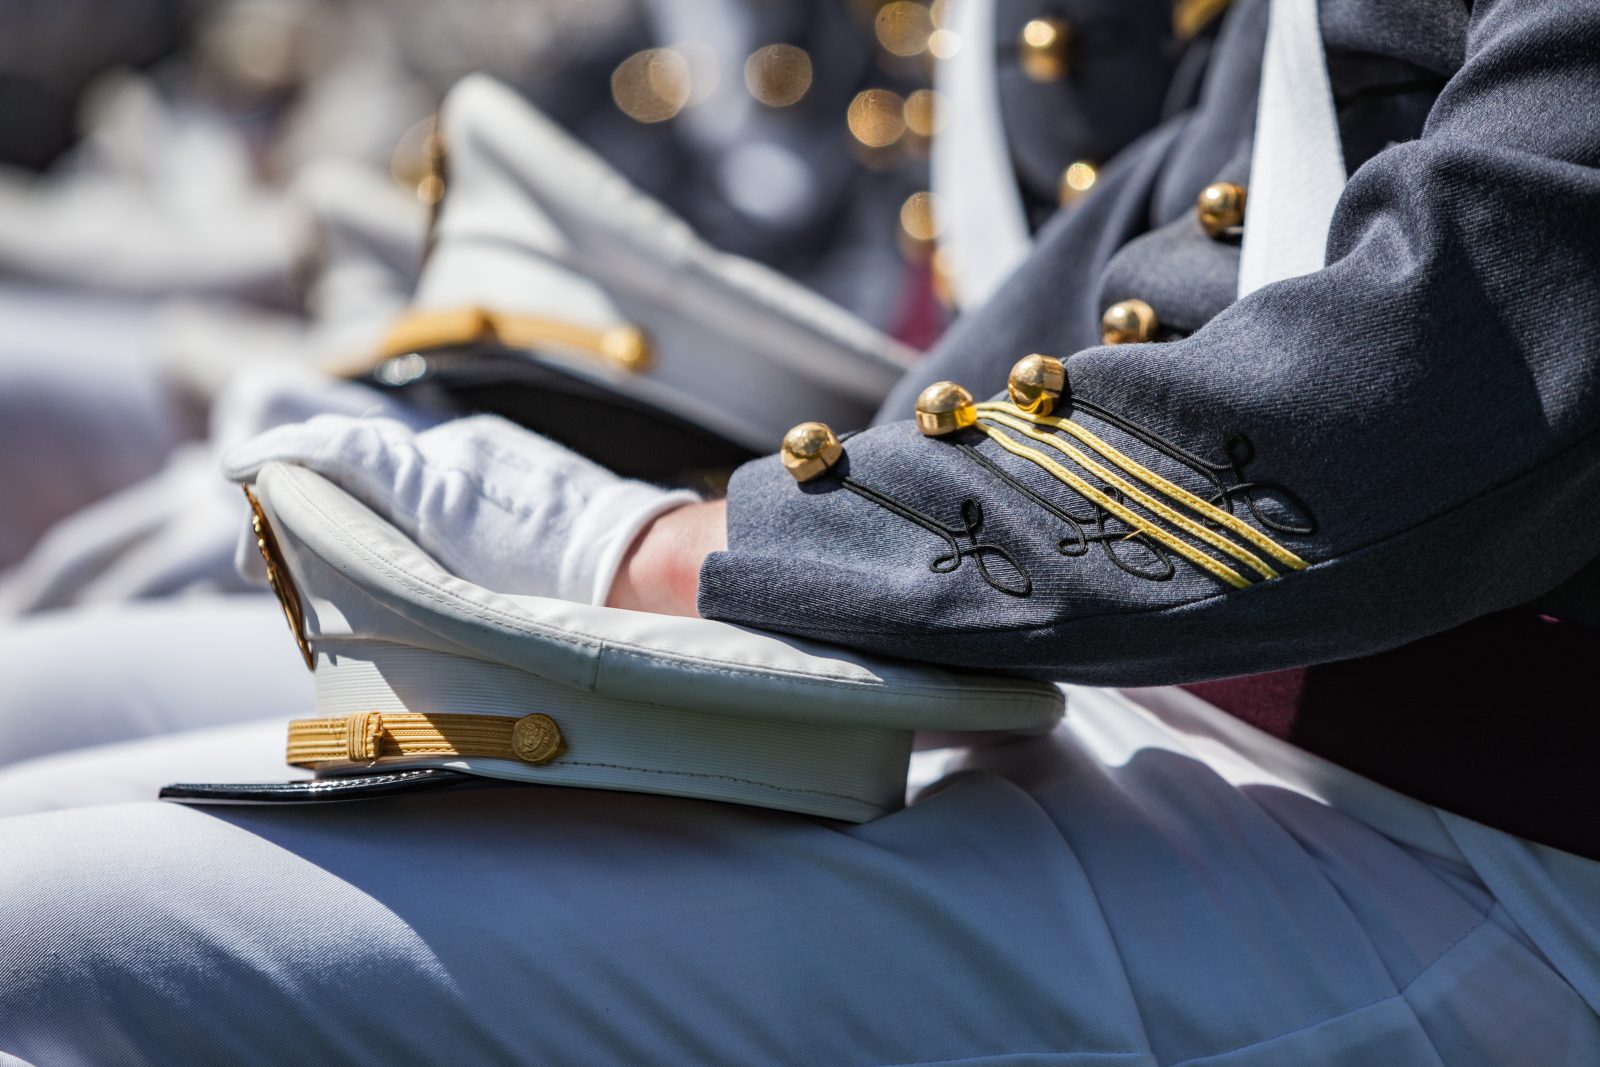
[1221, 208]
[945, 407]
[1037, 383]
[536, 739]
[809, 450]
[1045, 48]
[1076, 180]
[1127, 322]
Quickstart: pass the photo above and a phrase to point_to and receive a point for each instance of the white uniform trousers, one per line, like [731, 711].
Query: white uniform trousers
[1152, 884]
[91, 676]
[83, 412]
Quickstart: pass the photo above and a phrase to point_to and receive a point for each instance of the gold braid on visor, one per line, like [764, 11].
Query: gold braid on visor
[624, 348]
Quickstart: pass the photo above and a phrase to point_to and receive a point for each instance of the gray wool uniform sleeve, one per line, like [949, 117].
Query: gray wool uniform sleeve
[1400, 442]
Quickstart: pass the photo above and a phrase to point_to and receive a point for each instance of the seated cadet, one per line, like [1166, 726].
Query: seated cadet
[1353, 455]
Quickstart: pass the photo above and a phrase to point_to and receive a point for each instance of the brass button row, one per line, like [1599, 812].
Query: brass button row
[1044, 49]
[1220, 209]
[1037, 384]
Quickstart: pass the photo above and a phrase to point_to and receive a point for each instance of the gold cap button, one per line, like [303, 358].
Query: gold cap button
[1128, 321]
[1036, 383]
[627, 348]
[536, 738]
[1221, 208]
[1045, 48]
[810, 449]
[945, 407]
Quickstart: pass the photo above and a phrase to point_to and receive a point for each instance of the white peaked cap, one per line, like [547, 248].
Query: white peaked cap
[621, 700]
[534, 227]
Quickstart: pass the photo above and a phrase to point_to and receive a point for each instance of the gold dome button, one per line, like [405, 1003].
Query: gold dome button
[1037, 383]
[809, 450]
[1221, 208]
[1128, 321]
[945, 407]
[1045, 48]
[1076, 180]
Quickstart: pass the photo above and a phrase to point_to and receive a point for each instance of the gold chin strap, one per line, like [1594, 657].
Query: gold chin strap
[365, 736]
[278, 578]
[624, 348]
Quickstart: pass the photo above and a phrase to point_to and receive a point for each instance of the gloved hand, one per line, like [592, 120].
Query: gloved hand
[491, 502]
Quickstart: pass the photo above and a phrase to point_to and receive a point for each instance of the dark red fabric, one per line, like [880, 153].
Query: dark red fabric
[918, 318]
[1497, 720]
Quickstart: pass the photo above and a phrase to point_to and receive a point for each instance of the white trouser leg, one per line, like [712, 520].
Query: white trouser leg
[130, 771]
[100, 675]
[82, 411]
[1092, 912]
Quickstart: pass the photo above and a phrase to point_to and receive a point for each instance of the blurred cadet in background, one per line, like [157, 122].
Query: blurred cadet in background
[172, 237]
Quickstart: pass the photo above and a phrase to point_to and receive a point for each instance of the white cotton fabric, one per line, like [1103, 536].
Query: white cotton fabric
[83, 410]
[1296, 163]
[93, 676]
[1152, 884]
[984, 226]
[134, 770]
[493, 503]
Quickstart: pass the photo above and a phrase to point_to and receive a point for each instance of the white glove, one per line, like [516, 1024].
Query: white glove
[491, 502]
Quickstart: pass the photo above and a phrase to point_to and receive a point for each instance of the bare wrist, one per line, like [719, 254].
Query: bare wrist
[661, 570]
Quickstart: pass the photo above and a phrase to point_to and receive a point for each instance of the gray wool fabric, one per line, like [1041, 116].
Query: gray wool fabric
[1423, 411]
